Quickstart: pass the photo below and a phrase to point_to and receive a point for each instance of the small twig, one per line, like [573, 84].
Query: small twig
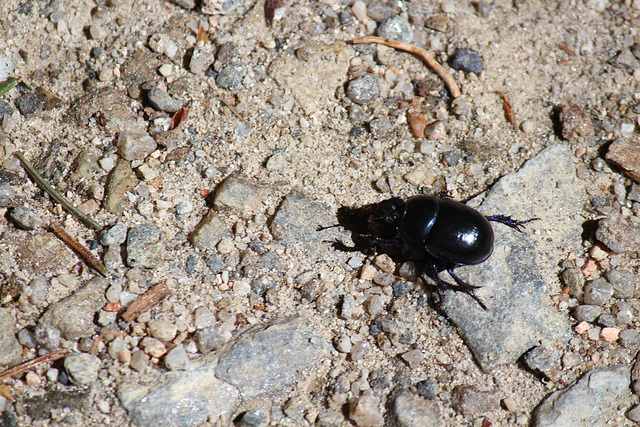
[18, 369]
[566, 49]
[7, 86]
[98, 340]
[235, 112]
[422, 54]
[508, 109]
[144, 302]
[84, 252]
[54, 194]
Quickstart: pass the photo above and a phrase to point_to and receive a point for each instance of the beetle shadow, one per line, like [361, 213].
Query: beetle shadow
[371, 236]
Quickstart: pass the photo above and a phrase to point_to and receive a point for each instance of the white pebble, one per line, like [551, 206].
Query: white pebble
[166, 70]
[7, 67]
[242, 288]
[359, 9]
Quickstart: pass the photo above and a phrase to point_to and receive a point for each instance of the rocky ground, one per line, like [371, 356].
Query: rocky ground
[210, 146]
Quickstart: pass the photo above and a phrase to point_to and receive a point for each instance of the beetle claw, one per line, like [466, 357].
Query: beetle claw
[516, 224]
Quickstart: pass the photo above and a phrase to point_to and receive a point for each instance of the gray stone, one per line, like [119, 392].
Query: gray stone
[29, 104]
[181, 398]
[271, 358]
[114, 235]
[254, 418]
[215, 263]
[10, 350]
[597, 398]
[396, 28]
[211, 338]
[162, 330]
[329, 418]
[363, 90]
[597, 292]
[144, 246]
[618, 235]
[468, 401]
[519, 313]
[467, 60]
[201, 60]
[313, 81]
[630, 338]
[587, 313]
[206, 235]
[220, 7]
[161, 101]
[411, 410]
[74, 315]
[177, 360]
[239, 195]
[544, 359]
[230, 77]
[26, 338]
[623, 281]
[7, 195]
[135, 145]
[82, 368]
[25, 218]
[47, 337]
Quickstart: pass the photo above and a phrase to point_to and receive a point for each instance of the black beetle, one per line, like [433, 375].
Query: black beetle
[451, 233]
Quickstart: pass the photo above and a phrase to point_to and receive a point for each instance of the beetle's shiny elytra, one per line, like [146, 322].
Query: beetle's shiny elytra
[452, 233]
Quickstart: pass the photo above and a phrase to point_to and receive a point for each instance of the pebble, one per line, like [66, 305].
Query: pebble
[359, 9]
[412, 410]
[144, 247]
[364, 411]
[344, 344]
[207, 233]
[254, 418]
[163, 330]
[630, 338]
[211, 338]
[413, 358]
[527, 126]
[201, 60]
[587, 313]
[26, 338]
[574, 122]
[363, 90]
[634, 414]
[610, 334]
[7, 195]
[275, 162]
[617, 235]
[161, 101]
[591, 400]
[10, 350]
[582, 327]
[203, 318]
[428, 389]
[121, 180]
[215, 263]
[230, 77]
[597, 292]
[396, 28]
[7, 66]
[271, 358]
[379, 127]
[82, 368]
[626, 154]
[135, 146]
[25, 218]
[544, 359]
[153, 347]
[114, 235]
[570, 360]
[623, 313]
[220, 7]
[467, 60]
[74, 315]
[623, 282]
[29, 104]
[468, 401]
[242, 288]
[359, 350]
[574, 279]
[32, 379]
[139, 360]
[177, 359]
[239, 195]
[347, 306]
[438, 23]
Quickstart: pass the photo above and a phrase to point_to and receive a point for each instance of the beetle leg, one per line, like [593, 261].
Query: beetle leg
[508, 221]
[460, 285]
[379, 240]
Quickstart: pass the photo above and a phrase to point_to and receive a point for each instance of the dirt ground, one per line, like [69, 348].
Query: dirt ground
[285, 121]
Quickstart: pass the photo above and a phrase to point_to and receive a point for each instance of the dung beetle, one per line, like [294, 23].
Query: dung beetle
[451, 233]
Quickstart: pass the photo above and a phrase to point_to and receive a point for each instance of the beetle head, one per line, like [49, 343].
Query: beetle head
[391, 210]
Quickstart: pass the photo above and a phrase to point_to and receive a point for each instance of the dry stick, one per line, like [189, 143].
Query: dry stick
[508, 109]
[84, 252]
[422, 54]
[144, 302]
[18, 369]
[54, 194]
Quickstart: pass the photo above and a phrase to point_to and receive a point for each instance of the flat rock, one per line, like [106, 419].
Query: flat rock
[314, 81]
[272, 358]
[181, 398]
[209, 231]
[144, 246]
[519, 313]
[74, 315]
[626, 154]
[114, 105]
[592, 400]
[239, 195]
